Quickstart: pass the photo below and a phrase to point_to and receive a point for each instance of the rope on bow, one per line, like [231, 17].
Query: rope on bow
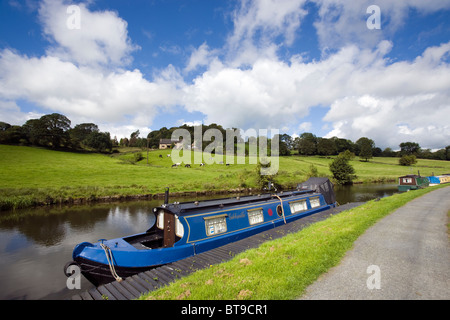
[109, 257]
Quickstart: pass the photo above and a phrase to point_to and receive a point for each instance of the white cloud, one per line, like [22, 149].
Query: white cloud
[305, 126]
[256, 26]
[10, 113]
[269, 17]
[123, 131]
[367, 95]
[83, 92]
[181, 122]
[341, 22]
[100, 39]
[202, 56]
[83, 75]
[80, 75]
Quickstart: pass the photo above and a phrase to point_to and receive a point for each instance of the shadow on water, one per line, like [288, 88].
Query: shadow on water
[364, 192]
[36, 243]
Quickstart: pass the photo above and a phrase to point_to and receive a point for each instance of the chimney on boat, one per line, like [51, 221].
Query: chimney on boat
[166, 196]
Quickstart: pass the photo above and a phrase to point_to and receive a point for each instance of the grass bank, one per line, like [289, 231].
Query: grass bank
[33, 176]
[283, 268]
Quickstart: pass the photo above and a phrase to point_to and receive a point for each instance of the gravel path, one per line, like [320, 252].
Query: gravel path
[406, 255]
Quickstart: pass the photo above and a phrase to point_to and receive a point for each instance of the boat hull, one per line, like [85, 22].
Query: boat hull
[99, 273]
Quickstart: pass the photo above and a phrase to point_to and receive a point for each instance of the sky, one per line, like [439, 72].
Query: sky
[330, 67]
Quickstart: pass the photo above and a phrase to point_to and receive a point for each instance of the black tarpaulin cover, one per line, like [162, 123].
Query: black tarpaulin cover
[322, 185]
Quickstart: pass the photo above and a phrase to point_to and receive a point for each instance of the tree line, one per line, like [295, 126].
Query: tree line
[308, 144]
[55, 131]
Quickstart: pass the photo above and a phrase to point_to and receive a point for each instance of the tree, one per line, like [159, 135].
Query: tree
[4, 137]
[80, 133]
[50, 130]
[326, 147]
[388, 152]
[287, 139]
[13, 135]
[282, 145]
[366, 146]
[134, 138]
[99, 141]
[407, 160]
[409, 148]
[342, 171]
[439, 155]
[307, 144]
[4, 126]
[343, 144]
[265, 175]
[35, 132]
[347, 154]
[376, 152]
[313, 172]
[124, 142]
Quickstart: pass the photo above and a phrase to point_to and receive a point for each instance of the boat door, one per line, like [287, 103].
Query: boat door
[166, 222]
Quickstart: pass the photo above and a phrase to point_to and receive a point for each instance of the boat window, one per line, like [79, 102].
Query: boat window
[407, 180]
[216, 225]
[279, 210]
[160, 220]
[315, 202]
[298, 206]
[179, 229]
[255, 216]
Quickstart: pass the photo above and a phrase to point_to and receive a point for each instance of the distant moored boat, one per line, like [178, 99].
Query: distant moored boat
[412, 182]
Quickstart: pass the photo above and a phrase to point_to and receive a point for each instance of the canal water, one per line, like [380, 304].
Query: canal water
[35, 244]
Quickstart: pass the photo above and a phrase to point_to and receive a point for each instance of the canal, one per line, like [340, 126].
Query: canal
[36, 243]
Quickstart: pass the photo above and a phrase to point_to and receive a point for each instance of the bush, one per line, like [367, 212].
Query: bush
[347, 154]
[407, 160]
[342, 171]
[138, 157]
[262, 180]
[313, 172]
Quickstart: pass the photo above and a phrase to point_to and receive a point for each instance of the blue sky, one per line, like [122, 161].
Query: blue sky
[292, 65]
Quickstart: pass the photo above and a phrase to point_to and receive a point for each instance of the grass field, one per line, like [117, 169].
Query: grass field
[30, 176]
[284, 268]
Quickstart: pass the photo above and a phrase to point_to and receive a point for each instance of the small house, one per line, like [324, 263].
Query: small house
[167, 143]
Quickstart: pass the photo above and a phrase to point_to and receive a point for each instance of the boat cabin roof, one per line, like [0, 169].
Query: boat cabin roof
[185, 208]
[410, 176]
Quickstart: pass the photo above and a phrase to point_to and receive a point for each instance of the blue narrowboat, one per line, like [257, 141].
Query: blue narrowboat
[182, 230]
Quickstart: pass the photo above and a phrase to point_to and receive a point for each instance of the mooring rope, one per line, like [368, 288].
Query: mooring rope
[282, 209]
[109, 257]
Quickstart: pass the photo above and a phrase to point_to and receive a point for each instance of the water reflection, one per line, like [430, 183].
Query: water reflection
[364, 192]
[36, 243]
